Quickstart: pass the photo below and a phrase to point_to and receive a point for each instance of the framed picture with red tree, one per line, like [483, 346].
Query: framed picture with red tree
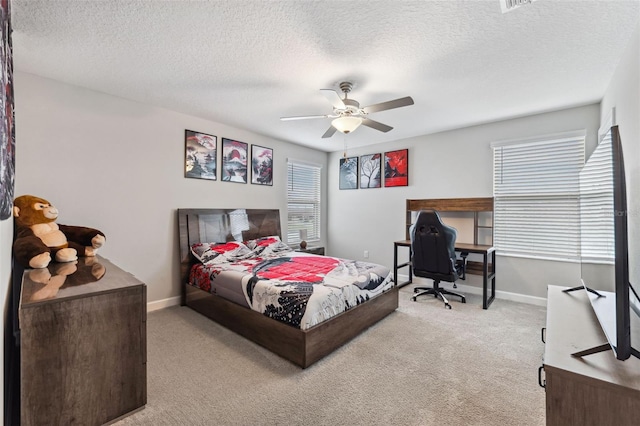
[261, 165]
[396, 168]
[234, 161]
[7, 127]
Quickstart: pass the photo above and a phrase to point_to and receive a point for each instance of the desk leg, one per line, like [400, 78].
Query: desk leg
[485, 274]
[486, 277]
[493, 277]
[396, 267]
[395, 264]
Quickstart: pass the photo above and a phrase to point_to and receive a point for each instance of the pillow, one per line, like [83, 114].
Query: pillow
[267, 246]
[215, 253]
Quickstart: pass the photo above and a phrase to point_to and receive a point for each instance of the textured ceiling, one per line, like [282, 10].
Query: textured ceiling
[247, 63]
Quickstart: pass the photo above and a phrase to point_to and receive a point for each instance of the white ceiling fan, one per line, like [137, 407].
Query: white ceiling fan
[347, 114]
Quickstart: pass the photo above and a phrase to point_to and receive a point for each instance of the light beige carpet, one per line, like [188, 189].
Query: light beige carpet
[422, 365]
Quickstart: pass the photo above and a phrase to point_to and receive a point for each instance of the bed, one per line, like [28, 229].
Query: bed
[304, 344]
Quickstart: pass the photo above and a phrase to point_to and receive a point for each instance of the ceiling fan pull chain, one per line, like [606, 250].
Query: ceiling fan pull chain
[345, 145]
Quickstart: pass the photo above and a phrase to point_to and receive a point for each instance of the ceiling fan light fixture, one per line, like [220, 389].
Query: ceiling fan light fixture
[348, 115]
[346, 124]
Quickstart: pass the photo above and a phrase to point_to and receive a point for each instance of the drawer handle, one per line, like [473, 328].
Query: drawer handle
[543, 334]
[542, 383]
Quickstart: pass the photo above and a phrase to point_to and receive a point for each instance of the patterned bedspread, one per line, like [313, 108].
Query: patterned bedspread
[298, 289]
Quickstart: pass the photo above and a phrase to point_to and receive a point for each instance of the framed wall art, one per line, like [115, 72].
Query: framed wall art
[201, 155]
[7, 130]
[396, 168]
[349, 173]
[234, 161]
[261, 165]
[370, 171]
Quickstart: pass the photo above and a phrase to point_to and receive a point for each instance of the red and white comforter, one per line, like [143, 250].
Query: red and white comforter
[298, 289]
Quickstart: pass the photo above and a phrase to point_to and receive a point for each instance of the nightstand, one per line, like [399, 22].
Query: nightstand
[312, 250]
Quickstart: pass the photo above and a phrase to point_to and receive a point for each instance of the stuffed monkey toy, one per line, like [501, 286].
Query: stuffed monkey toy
[39, 238]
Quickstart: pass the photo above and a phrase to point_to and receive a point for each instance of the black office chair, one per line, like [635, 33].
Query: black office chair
[434, 255]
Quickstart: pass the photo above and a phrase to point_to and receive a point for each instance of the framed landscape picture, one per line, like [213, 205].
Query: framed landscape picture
[349, 173]
[201, 158]
[234, 161]
[370, 171]
[396, 168]
[261, 165]
[7, 131]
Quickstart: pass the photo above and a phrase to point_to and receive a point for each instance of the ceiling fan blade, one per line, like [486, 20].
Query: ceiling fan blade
[333, 97]
[376, 125]
[396, 103]
[330, 131]
[303, 117]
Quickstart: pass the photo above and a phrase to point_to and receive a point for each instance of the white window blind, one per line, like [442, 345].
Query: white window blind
[303, 201]
[536, 197]
[596, 206]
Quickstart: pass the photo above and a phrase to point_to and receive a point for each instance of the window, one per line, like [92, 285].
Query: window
[596, 206]
[303, 201]
[536, 196]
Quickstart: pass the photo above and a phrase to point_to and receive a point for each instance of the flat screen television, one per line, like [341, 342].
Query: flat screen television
[604, 253]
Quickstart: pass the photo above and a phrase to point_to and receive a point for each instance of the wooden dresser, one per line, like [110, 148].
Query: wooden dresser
[83, 349]
[595, 390]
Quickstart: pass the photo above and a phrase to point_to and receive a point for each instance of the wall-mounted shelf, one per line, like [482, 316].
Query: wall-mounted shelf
[473, 205]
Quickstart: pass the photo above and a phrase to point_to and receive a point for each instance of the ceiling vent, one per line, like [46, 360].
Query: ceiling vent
[509, 5]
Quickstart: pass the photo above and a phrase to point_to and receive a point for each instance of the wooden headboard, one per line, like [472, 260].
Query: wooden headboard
[222, 225]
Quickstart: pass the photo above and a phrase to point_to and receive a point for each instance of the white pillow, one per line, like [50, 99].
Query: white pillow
[268, 246]
[216, 253]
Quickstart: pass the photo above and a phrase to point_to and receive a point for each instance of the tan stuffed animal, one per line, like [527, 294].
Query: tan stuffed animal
[39, 237]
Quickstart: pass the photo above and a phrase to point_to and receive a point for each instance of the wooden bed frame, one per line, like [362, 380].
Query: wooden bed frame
[302, 347]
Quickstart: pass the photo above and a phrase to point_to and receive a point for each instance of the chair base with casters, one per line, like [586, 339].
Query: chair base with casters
[437, 291]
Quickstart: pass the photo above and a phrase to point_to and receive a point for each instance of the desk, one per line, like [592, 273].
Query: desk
[488, 274]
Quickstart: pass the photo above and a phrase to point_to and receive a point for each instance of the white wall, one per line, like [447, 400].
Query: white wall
[118, 166]
[453, 164]
[623, 93]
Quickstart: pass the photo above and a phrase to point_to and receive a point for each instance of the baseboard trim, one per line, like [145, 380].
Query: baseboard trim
[504, 295]
[164, 303]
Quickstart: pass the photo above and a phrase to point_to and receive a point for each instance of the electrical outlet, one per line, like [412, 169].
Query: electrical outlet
[366, 254]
